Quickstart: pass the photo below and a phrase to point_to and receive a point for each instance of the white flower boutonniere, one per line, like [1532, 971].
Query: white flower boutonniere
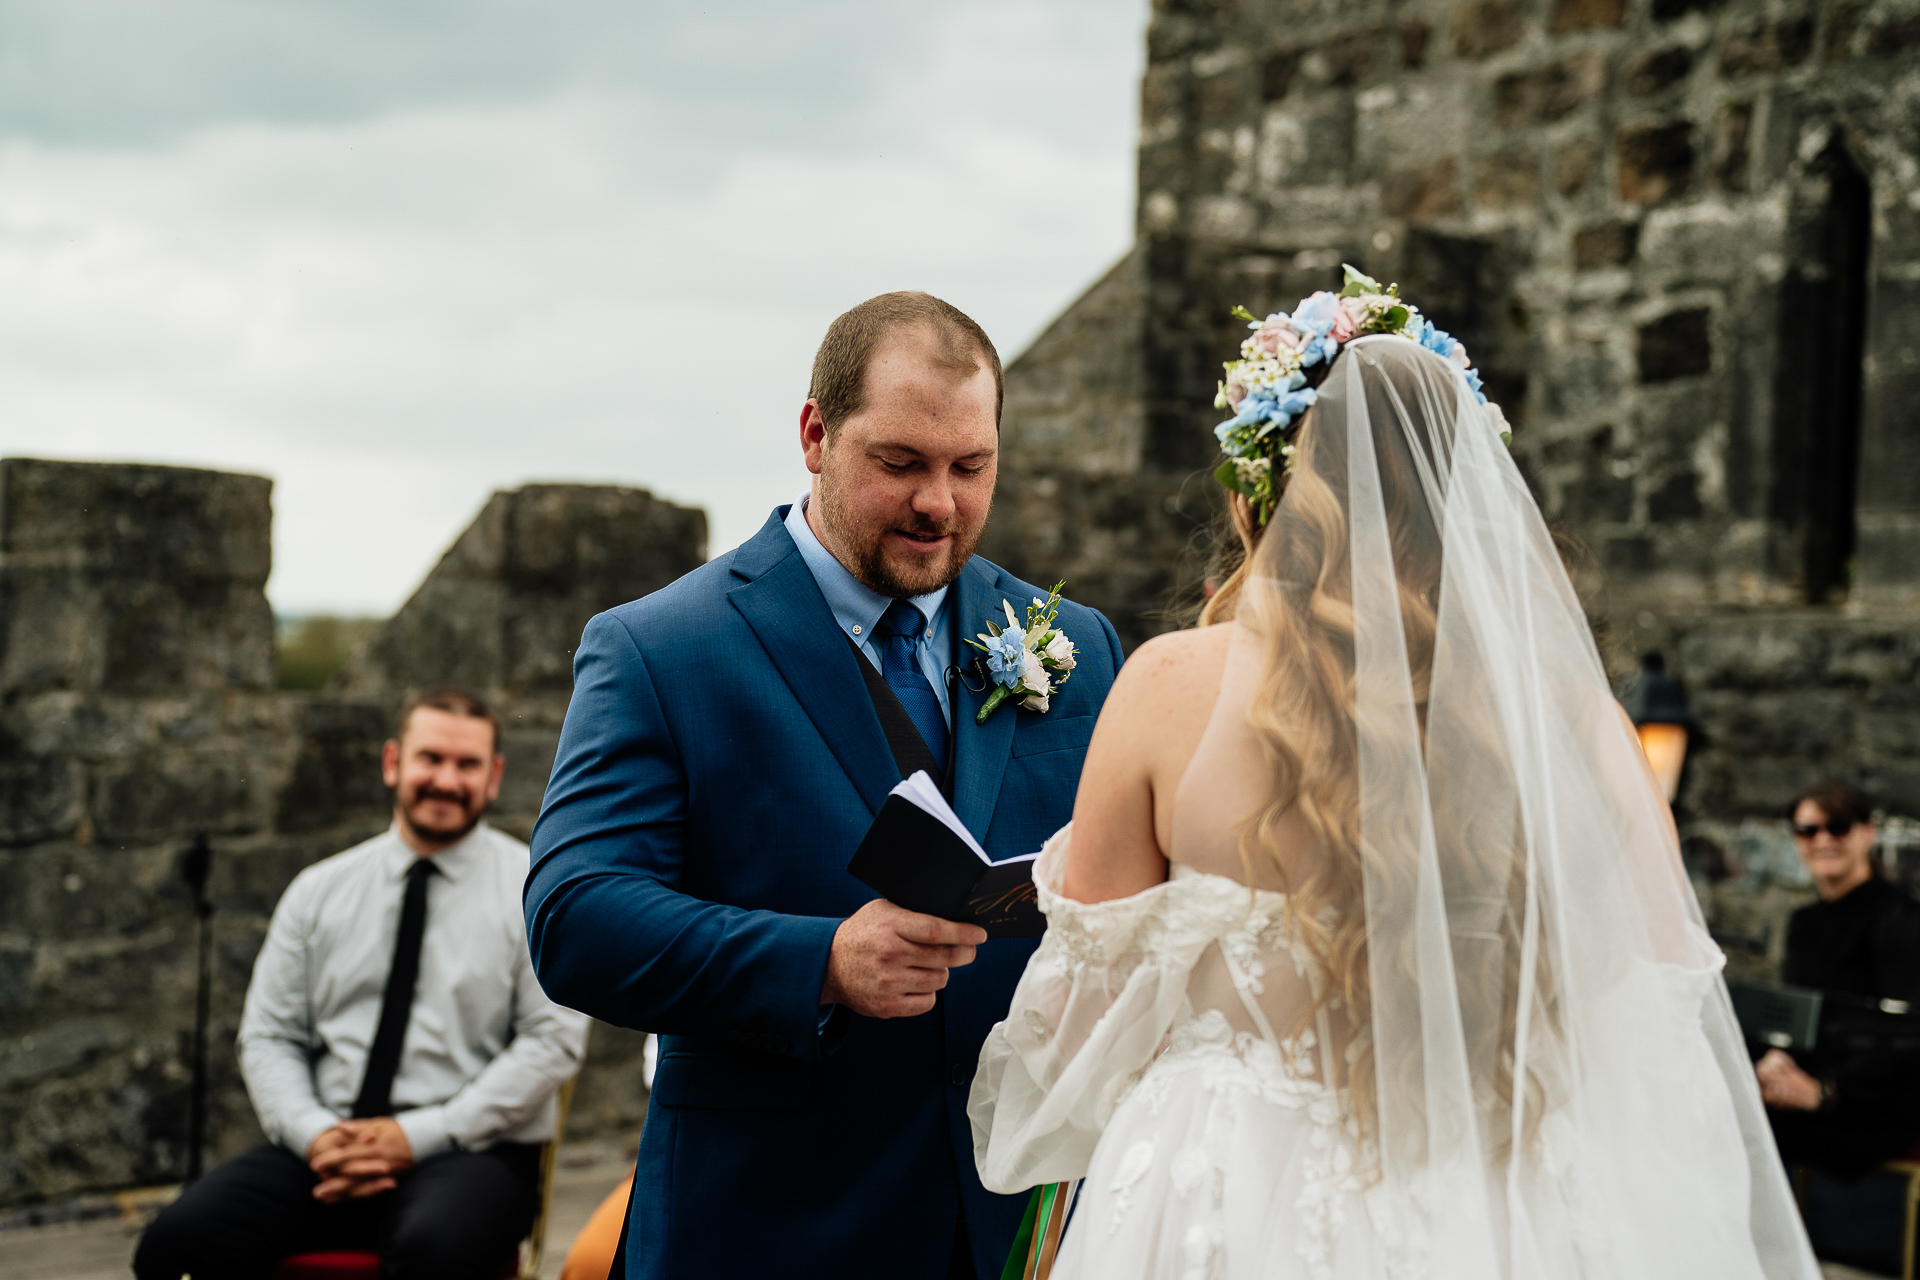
[1026, 662]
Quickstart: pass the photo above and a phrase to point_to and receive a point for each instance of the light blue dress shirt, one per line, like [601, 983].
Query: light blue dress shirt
[857, 608]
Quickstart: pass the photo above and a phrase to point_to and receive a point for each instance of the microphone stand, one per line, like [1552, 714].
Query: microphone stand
[196, 865]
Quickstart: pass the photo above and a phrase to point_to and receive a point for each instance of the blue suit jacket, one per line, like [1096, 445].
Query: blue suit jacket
[720, 762]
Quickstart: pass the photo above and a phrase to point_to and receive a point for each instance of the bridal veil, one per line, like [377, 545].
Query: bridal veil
[1558, 1086]
[1427, 924]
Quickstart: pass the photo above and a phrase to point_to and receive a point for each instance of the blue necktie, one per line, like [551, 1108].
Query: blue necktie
[898, 634]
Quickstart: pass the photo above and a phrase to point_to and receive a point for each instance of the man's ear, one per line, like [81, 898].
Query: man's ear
[813, 435]
[390, 763]
[499, 772]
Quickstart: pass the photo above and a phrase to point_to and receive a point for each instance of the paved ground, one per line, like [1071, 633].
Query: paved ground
[101, 1250]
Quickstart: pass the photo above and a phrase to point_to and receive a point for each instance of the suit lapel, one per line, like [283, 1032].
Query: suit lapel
[979, 750]
[782, 603]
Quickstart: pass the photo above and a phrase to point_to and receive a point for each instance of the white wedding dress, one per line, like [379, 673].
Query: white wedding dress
[1157, 1045]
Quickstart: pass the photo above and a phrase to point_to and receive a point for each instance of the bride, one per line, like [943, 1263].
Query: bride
[1370, 953]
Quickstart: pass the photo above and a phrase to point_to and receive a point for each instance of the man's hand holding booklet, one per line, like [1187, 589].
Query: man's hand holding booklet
[919, 855]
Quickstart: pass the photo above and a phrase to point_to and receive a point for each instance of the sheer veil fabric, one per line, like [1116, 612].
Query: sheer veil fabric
[1487, 1034]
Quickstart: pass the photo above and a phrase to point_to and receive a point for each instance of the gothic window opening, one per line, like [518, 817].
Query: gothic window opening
[1823, 319]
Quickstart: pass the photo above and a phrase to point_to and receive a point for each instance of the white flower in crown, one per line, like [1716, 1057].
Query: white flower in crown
[1025, 661]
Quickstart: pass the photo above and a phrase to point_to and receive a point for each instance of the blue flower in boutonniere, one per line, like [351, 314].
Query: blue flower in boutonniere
[1026, 661]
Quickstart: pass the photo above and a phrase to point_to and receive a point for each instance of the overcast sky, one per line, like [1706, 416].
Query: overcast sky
[395, 256]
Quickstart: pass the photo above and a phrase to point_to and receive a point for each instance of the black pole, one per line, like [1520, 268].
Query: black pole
[195, 867]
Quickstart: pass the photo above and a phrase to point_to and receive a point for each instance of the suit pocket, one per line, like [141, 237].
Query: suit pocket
[711, 1081]
[1069, 734]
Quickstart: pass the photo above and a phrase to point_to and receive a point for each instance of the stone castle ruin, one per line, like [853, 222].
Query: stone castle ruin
[1681, 238]
[138, 711]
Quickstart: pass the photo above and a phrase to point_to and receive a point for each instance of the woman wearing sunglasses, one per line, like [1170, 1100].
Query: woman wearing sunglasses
[1843, 1109]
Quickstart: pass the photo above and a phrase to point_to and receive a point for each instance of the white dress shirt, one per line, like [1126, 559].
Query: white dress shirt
[485, 1050]
[858, 607]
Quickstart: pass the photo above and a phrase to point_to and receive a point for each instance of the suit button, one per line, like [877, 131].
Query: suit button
[961, 1075]
[782, 1045]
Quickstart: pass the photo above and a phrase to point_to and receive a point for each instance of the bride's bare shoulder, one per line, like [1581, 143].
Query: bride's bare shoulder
[1175, 668]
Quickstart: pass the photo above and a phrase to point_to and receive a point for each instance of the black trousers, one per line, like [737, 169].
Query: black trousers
[1845, 1146]
[454, 1215]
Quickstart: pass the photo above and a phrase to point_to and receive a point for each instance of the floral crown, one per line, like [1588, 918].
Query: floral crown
[1267, 386]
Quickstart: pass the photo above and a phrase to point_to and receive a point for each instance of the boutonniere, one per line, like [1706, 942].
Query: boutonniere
[1025, 662]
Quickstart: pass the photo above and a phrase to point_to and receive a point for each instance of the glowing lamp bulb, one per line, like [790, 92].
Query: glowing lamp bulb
[1666, 748]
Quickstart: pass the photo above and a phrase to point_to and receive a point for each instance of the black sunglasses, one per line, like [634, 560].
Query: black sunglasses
[1835, 827]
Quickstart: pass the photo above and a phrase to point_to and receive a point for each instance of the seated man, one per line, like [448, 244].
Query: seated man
[398, 1049]
[1846, 1107]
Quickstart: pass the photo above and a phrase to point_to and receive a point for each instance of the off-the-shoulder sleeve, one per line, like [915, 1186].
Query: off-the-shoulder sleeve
[1090, 1013]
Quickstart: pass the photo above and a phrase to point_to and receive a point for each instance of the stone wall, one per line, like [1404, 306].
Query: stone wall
[1679, 238]
[137, 709]
[501, 614]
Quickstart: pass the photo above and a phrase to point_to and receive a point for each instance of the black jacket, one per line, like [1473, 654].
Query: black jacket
[1865, 944]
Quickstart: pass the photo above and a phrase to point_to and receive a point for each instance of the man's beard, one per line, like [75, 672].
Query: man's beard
[868, 550]
[472, 806]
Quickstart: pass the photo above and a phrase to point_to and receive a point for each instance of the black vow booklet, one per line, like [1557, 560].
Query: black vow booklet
[919, 855]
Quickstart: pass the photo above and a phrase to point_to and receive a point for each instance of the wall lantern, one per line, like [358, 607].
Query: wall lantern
[1658, 706]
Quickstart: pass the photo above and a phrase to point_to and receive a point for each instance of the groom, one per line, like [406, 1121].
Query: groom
[729, 740]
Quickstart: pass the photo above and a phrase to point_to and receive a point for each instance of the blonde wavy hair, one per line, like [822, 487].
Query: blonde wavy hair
[1294, 589]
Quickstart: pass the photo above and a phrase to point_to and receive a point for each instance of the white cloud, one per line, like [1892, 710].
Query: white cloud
[396, 312]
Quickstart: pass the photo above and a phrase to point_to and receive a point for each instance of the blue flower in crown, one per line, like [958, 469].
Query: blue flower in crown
[1266, 388]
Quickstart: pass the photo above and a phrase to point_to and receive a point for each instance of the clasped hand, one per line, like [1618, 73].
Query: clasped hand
[1784, 1084]
[888, 962]
[359, 1158]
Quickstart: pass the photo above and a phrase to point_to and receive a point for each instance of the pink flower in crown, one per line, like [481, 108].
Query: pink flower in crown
[1276, 337]
[1459, 356]
[1236, 390]
[1356, 312]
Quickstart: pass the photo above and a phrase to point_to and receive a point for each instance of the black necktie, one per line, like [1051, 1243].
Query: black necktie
[383, 1060]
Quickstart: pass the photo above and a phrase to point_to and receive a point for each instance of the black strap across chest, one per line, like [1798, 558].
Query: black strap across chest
[910, 750]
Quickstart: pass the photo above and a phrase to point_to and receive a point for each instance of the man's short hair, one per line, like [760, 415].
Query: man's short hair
[456, 702]
[1837, 800]
[839, 384]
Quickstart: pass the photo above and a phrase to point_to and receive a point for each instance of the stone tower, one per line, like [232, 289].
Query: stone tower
[1680, 238]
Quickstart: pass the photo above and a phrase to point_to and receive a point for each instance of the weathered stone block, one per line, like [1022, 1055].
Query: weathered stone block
[1731, 159]
[1894, 36]
[336, 769]
[1415, 39]
[1277, 72]
[1656, 69]
[1677, 345]
[1656, 162]
[1754, 655]
[40, 798]
[503, 610]
[1885, 660]
[1608, 244]
[1578, 15]
[1551, 92]
[1678, 498]
[1508, 177]
[1575, 165]
[1483, 29]
[1768, 47]
[132, 578]
[179, 793]
[1424, 193]
[1351, 58]
[1804, 723]
[1668, 10]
